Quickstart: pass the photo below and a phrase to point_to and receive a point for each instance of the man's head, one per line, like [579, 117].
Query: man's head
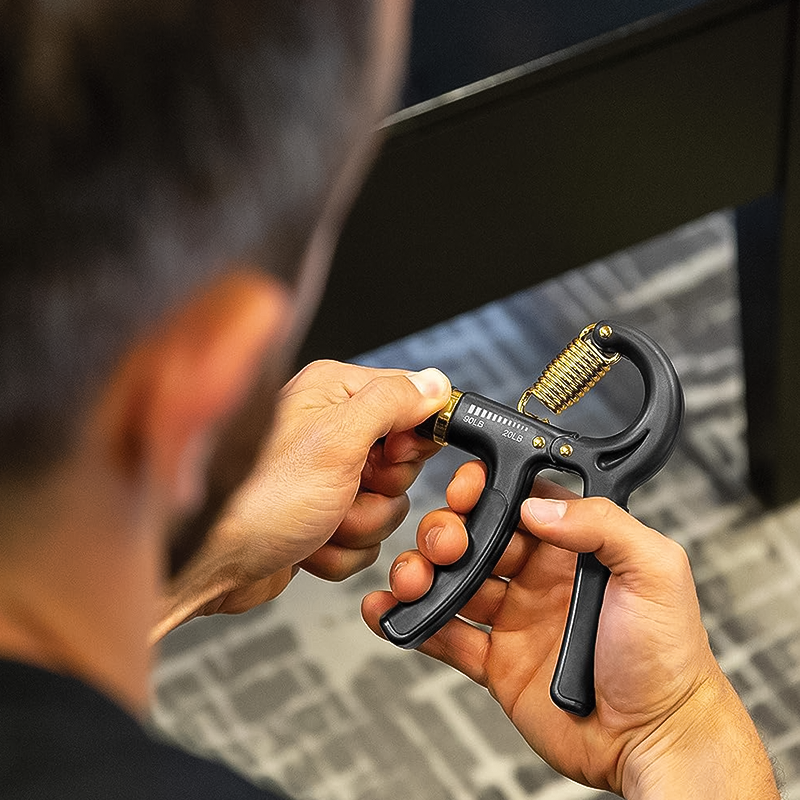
[144, 147]
[174, 174]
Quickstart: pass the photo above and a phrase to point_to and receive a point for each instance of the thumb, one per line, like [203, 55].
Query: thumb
[393, 403]
[596, 525]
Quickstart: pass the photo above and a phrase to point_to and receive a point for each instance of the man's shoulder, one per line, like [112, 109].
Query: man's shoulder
[60, 738]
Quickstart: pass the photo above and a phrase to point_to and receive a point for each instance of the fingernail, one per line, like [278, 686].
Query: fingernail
[399, 565]
[432, 537]
[395, 571]
[544, 510]
[430, 382]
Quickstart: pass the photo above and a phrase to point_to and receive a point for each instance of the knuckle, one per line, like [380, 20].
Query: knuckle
[376, 404]
[314, 369]
[341, 564]
[368, 557]
[403, 506]
[600, 509]
[675, 556]
[396, 516]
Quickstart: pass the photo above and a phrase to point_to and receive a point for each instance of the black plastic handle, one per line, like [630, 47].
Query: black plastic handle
[572, 687]
[502, 439]
[490, 526]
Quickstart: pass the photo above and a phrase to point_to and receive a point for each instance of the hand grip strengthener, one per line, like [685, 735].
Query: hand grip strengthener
[515, 446]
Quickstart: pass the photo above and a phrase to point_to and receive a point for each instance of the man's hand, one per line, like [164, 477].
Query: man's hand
[329, 487]
[667, 722]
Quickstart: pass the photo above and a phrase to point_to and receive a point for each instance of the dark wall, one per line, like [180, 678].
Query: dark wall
[457, 42]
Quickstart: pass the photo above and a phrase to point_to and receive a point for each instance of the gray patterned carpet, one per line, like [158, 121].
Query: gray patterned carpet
[299, 692]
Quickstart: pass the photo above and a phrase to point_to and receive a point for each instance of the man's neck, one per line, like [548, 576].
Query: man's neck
[88, 617]
[70, 645]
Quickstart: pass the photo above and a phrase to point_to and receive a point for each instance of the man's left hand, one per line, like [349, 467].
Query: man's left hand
[329, 487]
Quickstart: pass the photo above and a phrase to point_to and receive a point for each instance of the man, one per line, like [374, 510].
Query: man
[174, 177]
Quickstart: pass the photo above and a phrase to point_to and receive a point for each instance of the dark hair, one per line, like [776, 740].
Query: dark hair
[142, 145]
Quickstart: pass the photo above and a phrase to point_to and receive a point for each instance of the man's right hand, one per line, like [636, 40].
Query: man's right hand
[667, 722]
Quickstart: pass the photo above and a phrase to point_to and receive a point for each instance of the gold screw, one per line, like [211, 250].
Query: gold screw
[539, 442]
[605, 332]
[565, 450]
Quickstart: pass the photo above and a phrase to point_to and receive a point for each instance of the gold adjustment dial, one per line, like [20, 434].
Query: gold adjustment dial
[443, 418]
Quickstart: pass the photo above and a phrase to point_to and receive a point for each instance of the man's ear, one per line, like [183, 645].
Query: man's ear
[176, 387]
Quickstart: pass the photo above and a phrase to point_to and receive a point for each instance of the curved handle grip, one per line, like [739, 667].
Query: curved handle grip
[572, 687]
[490, 527]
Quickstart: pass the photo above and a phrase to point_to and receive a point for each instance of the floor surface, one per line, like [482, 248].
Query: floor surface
[301, 693]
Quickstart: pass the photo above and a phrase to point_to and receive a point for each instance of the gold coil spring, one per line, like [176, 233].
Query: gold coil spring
[571, 373]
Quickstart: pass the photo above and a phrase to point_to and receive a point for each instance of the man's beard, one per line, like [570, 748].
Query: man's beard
[232, 460]
[240, 440]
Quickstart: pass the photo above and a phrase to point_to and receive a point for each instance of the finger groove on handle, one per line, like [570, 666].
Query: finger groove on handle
[490, 527]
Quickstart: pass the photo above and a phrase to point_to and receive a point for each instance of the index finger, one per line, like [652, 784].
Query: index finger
[469, 481]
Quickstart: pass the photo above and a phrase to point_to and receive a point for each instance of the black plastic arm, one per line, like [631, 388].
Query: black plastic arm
[502, 439]
[515, 447]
